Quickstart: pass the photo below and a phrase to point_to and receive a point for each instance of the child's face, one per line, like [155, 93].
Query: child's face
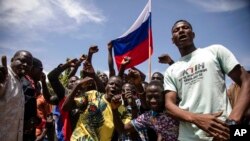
[155, 98]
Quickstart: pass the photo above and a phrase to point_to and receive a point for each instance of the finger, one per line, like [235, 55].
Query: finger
[221, 134]
[221, 125]
[218, 114]
[4, 61]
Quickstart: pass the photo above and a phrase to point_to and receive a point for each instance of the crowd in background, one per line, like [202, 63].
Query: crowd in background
[188, 102]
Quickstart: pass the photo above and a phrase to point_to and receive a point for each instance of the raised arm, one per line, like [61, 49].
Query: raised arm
[125, 61]
[46, 93]
[53, 77]
[77, 65]
[240, 76]
[89, 71]
[110, 60]
[92, 49]
[70, 103]
[165, 59]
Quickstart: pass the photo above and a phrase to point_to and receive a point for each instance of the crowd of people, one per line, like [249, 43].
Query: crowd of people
[189, 102]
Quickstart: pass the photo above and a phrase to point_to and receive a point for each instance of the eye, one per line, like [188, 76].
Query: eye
[175, 30]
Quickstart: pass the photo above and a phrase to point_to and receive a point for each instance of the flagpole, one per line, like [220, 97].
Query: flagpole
[149, 49]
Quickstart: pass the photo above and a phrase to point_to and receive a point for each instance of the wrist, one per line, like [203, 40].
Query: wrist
[230, 122]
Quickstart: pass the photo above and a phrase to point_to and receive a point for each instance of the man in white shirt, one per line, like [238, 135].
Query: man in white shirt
[197, 83]
[12, 97]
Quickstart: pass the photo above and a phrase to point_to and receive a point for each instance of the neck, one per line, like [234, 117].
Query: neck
[187, 49]
[107, 97]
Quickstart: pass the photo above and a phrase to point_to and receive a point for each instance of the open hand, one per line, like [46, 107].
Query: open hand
[212, 125]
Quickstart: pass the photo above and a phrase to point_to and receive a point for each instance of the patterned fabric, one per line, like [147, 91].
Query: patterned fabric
[11, 109]
[96, 122]
[140, 135]
[160, 122]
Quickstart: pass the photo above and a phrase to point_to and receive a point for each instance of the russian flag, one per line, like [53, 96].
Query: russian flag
[136, 43]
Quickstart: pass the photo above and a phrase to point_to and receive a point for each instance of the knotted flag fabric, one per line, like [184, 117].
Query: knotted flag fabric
[136, 43]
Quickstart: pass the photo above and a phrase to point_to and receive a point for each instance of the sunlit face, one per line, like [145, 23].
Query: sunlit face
[104, 78]
[154, 97]
[72, 81]
[158, 77]
[128, 88]
[182, 34]
[21, 63]
[114, 86]
[36, 71]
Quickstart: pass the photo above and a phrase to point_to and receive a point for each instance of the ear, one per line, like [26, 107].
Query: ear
[193, 35]
[12, 59]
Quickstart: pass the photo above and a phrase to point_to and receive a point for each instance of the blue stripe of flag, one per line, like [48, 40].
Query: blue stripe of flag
[129, 42]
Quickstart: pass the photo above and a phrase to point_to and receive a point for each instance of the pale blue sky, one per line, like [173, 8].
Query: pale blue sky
[53, 30]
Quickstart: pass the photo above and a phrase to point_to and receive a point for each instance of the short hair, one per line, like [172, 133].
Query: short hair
[158, 73]
[156, 83]
[20, 51]
[37, 63]
[185, 21]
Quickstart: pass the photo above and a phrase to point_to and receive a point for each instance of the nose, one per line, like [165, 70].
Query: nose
[181, 30]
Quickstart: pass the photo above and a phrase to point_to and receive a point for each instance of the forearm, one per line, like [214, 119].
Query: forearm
[69, 102]
[242, 102]
[56, 85]
[121, 71]
[89, 58]
[73, 71]
[178, 113]
[111, 63]
[46, 93]
[119, 126]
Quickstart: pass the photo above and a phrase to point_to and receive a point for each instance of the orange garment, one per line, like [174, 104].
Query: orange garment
[43, 109]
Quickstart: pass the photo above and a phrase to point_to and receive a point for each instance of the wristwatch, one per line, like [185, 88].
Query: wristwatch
[230, 122]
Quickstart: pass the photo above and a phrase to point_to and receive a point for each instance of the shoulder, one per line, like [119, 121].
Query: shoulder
[215, 48]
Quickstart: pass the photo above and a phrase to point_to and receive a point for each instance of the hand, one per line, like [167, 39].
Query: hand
[165, 59]
[134, 76]
[72, 62]
[129, 97]
[116, 101]
[93, 49]
[83, 57]
[3, 70]
[88, 69]
[212, 125]
[110, 45]
[125, 60]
